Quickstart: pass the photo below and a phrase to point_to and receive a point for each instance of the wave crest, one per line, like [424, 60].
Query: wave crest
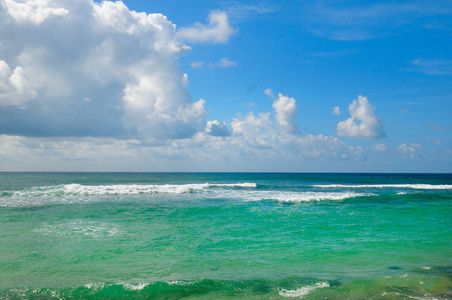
[403, 186]
[121, 189]
[297, 197]
[304, 290]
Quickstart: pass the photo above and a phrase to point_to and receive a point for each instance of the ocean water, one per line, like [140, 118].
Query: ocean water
[225, 236]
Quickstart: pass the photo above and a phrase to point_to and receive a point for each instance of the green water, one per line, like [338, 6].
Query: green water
[261, 236]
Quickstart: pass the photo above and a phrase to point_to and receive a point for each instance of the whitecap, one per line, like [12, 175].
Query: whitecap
[404, 186]
[95, 285]
[242, 185]
[131, 189]
[75, 189]
[304, 290]
[180, 282]
[297, 197]
[135, 287]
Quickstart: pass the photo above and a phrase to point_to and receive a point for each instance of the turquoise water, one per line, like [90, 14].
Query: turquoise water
[234, 236]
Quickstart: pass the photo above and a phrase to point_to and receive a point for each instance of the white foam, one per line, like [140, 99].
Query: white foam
[404, 186]
[297, 197]
[94, 285]
[180, 282]
[304, 290]
[77, 193]
[135, 287]
[121, 189]
[131, 189]
[242, 185]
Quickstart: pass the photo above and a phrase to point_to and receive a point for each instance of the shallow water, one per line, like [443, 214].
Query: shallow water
[211, 236]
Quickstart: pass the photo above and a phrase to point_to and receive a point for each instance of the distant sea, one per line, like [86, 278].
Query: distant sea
[225, 236]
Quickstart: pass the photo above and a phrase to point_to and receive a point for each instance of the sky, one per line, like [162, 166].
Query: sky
[226, 86]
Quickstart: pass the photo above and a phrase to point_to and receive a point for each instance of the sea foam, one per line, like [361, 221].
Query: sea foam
[297, 197]
[77, 193]
[304, 290]
[404, 186]
[121, 189]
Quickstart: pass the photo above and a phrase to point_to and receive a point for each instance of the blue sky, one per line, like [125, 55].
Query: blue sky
[298, 86]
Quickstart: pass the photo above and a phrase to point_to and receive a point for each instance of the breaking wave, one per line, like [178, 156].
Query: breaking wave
[403, 186]
[129, 189]
[304, 290]
[297, 197]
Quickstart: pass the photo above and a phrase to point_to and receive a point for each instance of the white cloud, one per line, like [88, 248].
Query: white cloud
[36, 11]
[286, 111]
[362, 123]
[225, 63]
[336, 111]
[269, 93]
[251, 124]
[250, 150]
[216, 128]
[380, 147]
[256, 141]
[125, 62]
[14, 86]
[217, 31]
[410, 150]
[197, 64]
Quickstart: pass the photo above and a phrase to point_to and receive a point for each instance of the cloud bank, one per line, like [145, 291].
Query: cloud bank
[80, 68]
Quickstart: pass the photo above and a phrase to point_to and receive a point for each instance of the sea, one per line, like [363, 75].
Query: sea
[225, 236]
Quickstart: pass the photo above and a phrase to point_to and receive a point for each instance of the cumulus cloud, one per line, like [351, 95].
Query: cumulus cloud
[250, 142]
[380, 147]
[286, 110]
[216, 128]
[253, 129]
[362, 123]
[225, 63]
[14, 86]
[410, 150]
[217, 31]
[245, 151]
[65, 52]
[33, 11]
[336, 111]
